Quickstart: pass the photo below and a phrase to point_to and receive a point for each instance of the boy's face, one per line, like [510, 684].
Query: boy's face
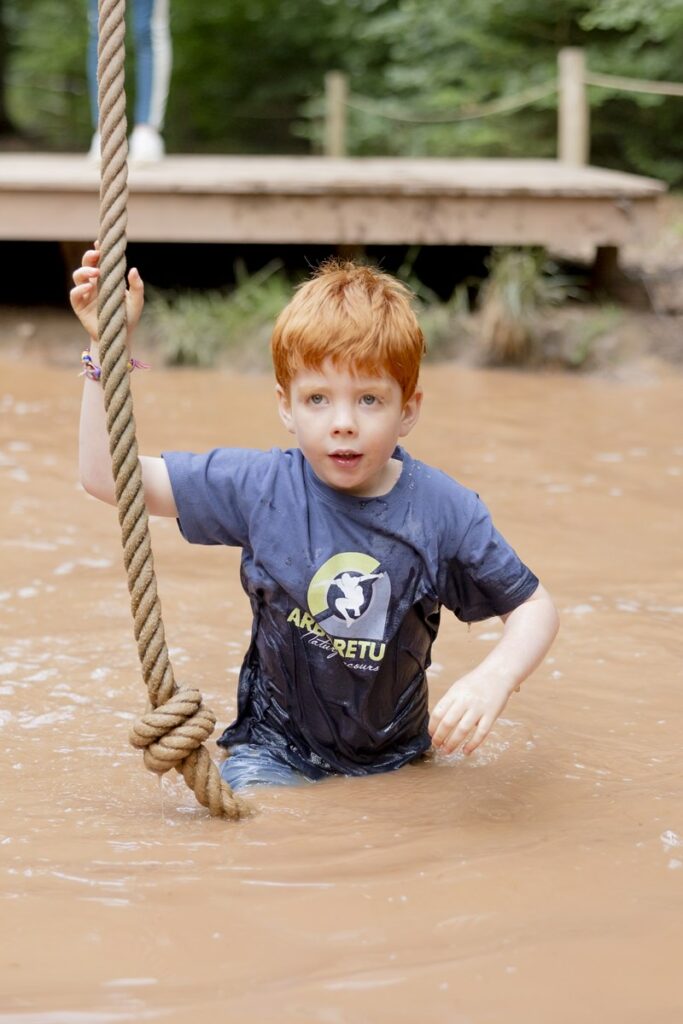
[347, 426]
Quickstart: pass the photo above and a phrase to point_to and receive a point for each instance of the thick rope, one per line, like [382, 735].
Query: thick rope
[173, 731]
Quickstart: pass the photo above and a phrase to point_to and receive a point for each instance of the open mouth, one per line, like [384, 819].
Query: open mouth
[345, 458]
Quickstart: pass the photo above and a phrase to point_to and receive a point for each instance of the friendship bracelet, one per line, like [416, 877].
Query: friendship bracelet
[94, 372]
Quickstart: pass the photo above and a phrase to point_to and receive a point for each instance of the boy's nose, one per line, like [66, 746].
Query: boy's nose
[343, 421]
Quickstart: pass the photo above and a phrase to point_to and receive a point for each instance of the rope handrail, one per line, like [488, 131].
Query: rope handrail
[501, 106]
[646, 85]
[507, 104]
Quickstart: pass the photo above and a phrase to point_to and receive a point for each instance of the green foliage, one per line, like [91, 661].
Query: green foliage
[248, 74]
[448, 55]
[448, 327]
[580, 344]
[204, 328]
[46, 80]
[521, 283]
[512, 326]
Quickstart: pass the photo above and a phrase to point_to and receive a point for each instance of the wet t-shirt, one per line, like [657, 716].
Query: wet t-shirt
[346, 595]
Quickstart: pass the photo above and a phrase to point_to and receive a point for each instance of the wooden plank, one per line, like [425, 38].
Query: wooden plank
[329, 220]
[313, 200]
[302, 175]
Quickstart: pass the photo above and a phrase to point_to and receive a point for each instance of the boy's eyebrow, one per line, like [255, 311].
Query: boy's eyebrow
[374, 384]
[361, 383]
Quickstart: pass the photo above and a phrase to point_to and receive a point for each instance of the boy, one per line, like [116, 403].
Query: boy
[350, 546]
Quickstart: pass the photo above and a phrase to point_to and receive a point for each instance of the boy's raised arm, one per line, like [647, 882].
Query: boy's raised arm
[93, 447]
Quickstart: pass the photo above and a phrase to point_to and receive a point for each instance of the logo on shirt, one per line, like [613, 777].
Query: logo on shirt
[349, 597]
[348, 600]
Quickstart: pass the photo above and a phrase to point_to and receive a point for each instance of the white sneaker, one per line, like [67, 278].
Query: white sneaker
[146, 145]
[94, 152]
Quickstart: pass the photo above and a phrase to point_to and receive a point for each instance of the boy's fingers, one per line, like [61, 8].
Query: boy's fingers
[134, 280]
[434, 725]
[479, 736]
[85, 274]
[444, 718]
[443, 731]
[136, 293]
[459, 734]
[79, 293]
[437, 716]
[437, 725]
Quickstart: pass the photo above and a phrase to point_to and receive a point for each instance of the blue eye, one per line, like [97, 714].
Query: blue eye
[315, 399]
[369, 399]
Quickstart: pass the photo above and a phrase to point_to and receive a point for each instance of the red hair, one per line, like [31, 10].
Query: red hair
[354, 315]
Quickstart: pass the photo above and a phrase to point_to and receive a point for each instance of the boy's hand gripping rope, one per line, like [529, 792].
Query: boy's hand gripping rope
[173, 730]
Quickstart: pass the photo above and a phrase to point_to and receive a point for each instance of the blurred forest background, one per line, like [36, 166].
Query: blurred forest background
[248, 78]
[248, 75]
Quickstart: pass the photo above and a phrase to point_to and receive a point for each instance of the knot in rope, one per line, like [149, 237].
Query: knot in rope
[172, 736]
[170, 732]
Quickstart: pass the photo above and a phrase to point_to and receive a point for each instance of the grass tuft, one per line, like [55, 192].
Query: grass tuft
[521, 283]
[207, 328]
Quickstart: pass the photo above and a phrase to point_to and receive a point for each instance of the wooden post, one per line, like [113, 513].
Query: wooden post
[573, 126]
[336, 92]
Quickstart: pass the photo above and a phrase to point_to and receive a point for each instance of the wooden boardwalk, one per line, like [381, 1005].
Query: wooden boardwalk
[361, 201]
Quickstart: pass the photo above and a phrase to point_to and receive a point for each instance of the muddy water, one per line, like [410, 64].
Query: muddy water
[540, 880]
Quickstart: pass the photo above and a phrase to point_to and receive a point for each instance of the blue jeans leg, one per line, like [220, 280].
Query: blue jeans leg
[93, 17]
[152, 37]
[249, 764]
[153, 57]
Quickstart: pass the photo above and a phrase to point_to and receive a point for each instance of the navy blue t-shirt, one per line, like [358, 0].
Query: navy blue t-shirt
[346, 595]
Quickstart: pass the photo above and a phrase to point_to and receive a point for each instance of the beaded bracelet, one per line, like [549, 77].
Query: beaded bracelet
[94, 372]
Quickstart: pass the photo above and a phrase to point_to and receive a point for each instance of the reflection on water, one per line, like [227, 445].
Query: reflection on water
[474, 887]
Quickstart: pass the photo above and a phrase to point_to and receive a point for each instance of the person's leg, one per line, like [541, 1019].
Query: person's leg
[91, 67]
[251, 765]
[153, 57]
[92, 60]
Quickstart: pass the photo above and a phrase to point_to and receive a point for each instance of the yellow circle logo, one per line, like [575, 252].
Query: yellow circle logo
[332, 571]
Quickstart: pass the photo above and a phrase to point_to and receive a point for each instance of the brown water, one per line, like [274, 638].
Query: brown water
[538, 881]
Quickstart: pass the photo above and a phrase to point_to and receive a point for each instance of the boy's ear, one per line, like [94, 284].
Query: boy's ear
[284, 408]
[411, 412]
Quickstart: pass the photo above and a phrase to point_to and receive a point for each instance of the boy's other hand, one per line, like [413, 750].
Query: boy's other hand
[84, 295]
[467, 711]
